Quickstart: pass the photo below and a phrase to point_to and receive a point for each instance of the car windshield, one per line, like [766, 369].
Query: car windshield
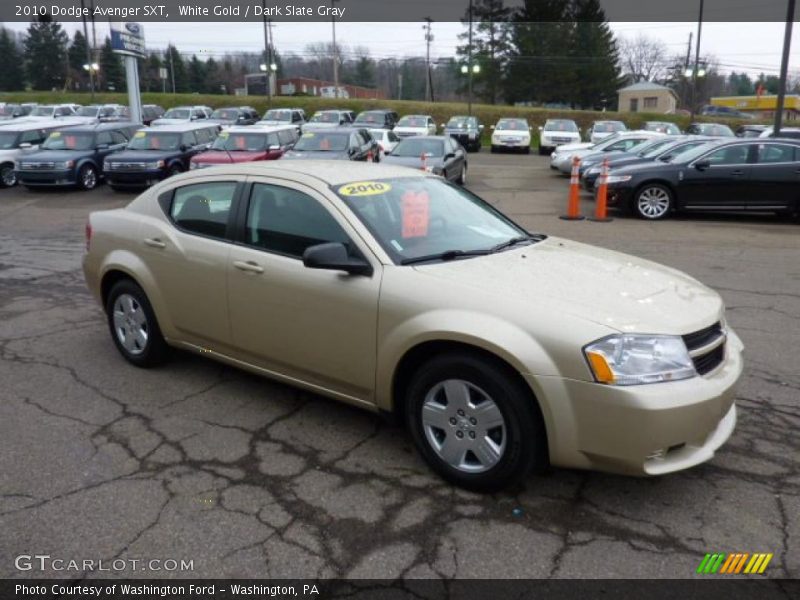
[151, 140]
[377, 133]
[715, 129]
[226, 114]
[66, 140]
[653, 148]
[177, 113]
[671, 153]
[278, 115]
[322, 142]
[690, 154]
[43, 111]
[370, 117]
[561, 125]
[244, 142]
[413, 217]
[8, 140]
[325, 117]
[412, 122]
[418, 147]
[458, 123]
[8, 110]
[88, 111]
[512, 124]
[609, 127]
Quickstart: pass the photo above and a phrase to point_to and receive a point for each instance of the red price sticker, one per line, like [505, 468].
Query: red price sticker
[416, 214]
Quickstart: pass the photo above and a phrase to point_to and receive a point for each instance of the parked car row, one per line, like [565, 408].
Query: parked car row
[652, 175]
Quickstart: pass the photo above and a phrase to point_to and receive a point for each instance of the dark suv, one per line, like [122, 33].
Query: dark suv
[155, 153]
[73, 156]
[235, 115]
[466, 130]
[377, 119]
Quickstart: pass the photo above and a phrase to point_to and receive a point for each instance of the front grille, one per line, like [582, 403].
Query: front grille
[127, 166]
[706, 361]
[38, 166]
[562, 140]
[406, 134]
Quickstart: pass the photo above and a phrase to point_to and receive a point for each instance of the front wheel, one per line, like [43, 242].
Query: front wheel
[174, 170]
[8, 177]
[474, 423]
[133, 325]
[653, 201]
[462, 178]
[87, 177]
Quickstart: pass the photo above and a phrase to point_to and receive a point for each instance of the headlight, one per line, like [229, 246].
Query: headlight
[629, 359]
[618, 178]
[108, 166]
[67, 164]
[154, 165]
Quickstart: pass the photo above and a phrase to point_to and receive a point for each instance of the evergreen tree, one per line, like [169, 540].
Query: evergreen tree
[490, 45]
[197, 75]
[176, 69]
[112, 72]
[77, 58]
[594, 58]
[364, 72]
[214, 81]
[12, 77]
[45, 50]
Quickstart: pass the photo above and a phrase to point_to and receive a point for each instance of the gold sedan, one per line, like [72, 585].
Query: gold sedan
[396, 291]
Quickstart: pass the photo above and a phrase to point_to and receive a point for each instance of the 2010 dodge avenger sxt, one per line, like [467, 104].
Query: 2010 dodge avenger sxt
[396, 291]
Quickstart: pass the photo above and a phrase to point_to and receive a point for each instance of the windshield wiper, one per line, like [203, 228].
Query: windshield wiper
[446, 255]
[516, 240]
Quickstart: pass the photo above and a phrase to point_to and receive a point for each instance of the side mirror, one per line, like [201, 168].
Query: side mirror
[102, 146]
[702, 165]
[25, 145]
[184, 147]
[333, 257]
[273, 148]
[449, 155]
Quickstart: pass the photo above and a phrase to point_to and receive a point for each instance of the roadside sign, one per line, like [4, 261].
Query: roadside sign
[127, 38]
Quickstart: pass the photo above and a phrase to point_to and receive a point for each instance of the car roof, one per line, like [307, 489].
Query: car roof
[99, 127]
[327, 171]
[377, 110]
[266, 129]
[193, 126]
[346, 129]
[33, 125]
[416, 116]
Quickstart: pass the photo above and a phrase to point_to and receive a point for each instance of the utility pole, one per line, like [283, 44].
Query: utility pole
[693, 107]
[400, 85]
[787, 44]
[171, 50]
[469, 64]
[428, 40]
[335, 55]
[89, 60]
[267, 55]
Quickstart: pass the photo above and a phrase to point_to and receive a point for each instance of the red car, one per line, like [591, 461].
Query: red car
[246, 144]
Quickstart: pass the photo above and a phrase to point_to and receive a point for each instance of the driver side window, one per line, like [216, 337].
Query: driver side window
[732, 155]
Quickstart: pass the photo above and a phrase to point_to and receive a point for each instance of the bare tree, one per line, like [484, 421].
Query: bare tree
[643, 58]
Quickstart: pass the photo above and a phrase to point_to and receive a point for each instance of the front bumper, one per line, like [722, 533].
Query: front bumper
[641, 430]
[506, 143]
[134, 179]
[48, 178]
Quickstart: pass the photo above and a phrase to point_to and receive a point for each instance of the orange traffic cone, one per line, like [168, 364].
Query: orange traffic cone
[601, 200]
[573, 206]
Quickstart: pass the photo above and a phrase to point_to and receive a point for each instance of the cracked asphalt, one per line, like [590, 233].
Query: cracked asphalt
[250, 478]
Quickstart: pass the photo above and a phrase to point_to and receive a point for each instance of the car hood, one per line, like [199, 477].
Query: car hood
[413, 161]
[141, 155]
[272, 122]
[459, 130]
[163, 121]
[320, 126]
[566, 148]
[309, 154]
[511, 133]
[612, 289]
[56, 155]
[415, 130]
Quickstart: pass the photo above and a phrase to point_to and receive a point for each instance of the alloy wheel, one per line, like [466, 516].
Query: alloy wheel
[130, 324]
[89, 178]
[653, 202]
[8, 176]
[464, 426]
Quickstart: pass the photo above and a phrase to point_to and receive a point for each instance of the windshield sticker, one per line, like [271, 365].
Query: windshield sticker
[365, 188]
[223, 134]
[308, 135]
[139, 134]
[55, 134]
[416, 214]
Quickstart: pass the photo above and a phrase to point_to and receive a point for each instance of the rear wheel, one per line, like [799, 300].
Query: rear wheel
[542, 151]
[473, 422]
[174, 170]
[87, 177]
[133, 325]
[8, 177]
[527, 150]
[462, 178]
[494, 149]
[653, 201]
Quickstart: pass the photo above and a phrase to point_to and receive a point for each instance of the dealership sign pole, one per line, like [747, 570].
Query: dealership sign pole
[787, 44]
[127, 39]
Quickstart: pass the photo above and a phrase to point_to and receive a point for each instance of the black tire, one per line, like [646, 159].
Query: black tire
[494, 149]
[87, 177]
[174, 169]
[154, 351]
[8, 177]
[542, 151]
[523, 439]
[462, 177]
[653, 202]
[527, 150]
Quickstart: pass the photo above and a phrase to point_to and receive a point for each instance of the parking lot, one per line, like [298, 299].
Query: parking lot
[249, 478]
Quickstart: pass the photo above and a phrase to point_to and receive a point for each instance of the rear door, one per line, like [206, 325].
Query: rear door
[723, 185]
[775, 179]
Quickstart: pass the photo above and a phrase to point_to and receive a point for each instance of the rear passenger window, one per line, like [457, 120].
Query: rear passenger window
[118, 137]
[104, 137]
[32, 137]
[287, 221]
[188, 139]
[286, 136]
[203, 208]
[775, 153]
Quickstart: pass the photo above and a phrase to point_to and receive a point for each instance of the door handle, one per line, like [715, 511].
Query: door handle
[737, 172]
[154, 243]
[248, 266]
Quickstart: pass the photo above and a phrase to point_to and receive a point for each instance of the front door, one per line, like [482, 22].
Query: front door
[313, 325]
[723, 184]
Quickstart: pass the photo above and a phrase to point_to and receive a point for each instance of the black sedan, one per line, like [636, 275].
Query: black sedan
[663, 149]
[743, 175]
[438, 154]
[337, 143]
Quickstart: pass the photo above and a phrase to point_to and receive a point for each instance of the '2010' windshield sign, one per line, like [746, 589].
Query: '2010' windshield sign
[127, 38]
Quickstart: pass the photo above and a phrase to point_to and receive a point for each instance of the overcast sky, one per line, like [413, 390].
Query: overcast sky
[752, 47]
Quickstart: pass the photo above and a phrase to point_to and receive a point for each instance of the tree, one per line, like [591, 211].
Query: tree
[643, 59]
[45, 50]
[77, 58]
[174, 63]
[12, 77]
[594, 54]
[363, 72]
[112, 73]
[197, 75]
[490, 44]
[740, 84]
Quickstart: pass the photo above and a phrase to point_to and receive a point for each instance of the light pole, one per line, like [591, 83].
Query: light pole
[268, 70]
[695, 73]
[335, 54]
[787, 44]
[88, 52]
[428, 40]
[469, 64]
[267, 54]
[91, 68]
